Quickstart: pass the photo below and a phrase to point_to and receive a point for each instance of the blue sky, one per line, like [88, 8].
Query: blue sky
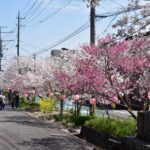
[58, 20]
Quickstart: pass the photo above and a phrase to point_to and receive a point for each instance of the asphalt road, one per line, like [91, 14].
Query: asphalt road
[18, 131]
[122, 114]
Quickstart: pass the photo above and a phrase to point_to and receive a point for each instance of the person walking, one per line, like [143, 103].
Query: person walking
[13, 99]
[9, 96]
[17, 100]
[2, 101]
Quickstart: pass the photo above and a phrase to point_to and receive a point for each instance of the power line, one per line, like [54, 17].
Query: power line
[31, 45]
[30, 9]
[35, 10]
[54, 13]
[118, 4]
[25, 50]
[110, 14]
[14, 24]
[37, 15]
[12, 45]
[80, 29]
[115, 14]
[85, 25]
[27, 4]
[107, 27]
[1, 46]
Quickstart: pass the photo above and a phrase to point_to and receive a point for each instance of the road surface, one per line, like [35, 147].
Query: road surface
[18, 131]
[122, 114]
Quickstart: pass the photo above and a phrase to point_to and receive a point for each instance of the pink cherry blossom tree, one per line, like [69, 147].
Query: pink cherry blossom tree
[112, 69]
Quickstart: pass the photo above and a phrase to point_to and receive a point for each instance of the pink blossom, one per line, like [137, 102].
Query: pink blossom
[63, 97]
[51, 94]
[92, 101]
[40, 95]
[115, 99]
[149, 94]
[33, 91]
[25, 94]
[76, 97]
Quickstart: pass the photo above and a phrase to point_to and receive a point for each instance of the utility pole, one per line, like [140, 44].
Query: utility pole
[34, 57]
[18, 36]
[0, 50]
[1, 45]
[92, 22]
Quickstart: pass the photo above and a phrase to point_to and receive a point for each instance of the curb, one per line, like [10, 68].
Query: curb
[32, 116]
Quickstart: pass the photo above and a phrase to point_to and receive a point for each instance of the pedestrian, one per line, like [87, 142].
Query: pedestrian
[2, 101]
[13, 99]
[17, 100]
[9, 96]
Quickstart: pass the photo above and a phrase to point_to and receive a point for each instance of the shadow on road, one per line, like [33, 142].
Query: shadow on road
[57, 142]
[29, 121]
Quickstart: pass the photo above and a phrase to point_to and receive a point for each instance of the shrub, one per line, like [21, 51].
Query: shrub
[58, 118]
[65, 118]
[71, 111]
[28, 105]
[47, 105]
[114, 127]
[24, 103]
[77, 121]
[80, 120]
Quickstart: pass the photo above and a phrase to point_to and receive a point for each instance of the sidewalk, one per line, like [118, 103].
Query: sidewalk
[19, 131]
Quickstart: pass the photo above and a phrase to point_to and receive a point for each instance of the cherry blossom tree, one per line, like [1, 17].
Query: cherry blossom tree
[27, 73]
[20, 75]
[136, 20]
[114, 71]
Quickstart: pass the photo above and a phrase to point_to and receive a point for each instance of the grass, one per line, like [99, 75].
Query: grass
[114, 127]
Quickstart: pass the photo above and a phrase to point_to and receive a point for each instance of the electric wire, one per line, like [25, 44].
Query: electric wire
[25, 50]
[121, 6]
[54, 13]
[85, 25]
[31, 45]
[34, 11]
[37, 15]
[107, 27]
[30, 9]
[80, 29]
[27, 4]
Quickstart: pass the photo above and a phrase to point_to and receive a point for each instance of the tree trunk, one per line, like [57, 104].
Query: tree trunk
[61, 107]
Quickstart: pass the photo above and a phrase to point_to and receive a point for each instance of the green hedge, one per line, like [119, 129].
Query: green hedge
[77, 121]
[80, 120]
[114, 127]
